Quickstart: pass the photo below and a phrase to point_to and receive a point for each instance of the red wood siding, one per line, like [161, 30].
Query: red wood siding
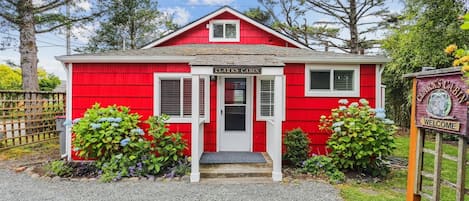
[304, 112]
[132, 85]
[249, 34]
[210, 129]
[128, 85]
[259, 127]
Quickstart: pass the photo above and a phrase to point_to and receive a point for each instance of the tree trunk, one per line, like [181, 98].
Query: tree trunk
[28, 48]
[354, 47]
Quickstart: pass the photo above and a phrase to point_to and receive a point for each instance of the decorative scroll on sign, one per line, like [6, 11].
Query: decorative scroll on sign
[441, 103]
[236, 70]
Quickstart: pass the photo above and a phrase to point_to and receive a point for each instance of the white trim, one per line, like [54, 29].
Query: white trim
[249, 108]
[68, 113]
[378, 86]
[125, 59]
[157, 77]
[331, 92]
[258, 98]
[195, 119]
[277, 135]
[216, 13]
[272, 70]
[224, 39]
[335, 60]
[202, 70]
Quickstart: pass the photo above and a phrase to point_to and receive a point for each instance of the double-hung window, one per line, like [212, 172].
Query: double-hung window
[332, 81]
[224, 31]
[265, 98]
[173, 96]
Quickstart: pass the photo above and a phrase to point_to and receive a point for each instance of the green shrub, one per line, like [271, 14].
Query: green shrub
[112, 137]
[101, 133]
[323, 165]
[361, 137]
[169, 146]
[58, 168]
[297, 147]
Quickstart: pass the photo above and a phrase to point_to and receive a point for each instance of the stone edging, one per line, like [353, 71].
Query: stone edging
[30, 172]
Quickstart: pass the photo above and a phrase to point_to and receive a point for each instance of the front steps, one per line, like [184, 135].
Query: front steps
[237, 173]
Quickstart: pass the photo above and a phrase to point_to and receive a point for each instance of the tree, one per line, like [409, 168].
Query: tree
[30, 19]
[10, 79]
[47, 81]
[356, 16]
[289, 17]
[259, 15]
[130, 24]
[428, 26]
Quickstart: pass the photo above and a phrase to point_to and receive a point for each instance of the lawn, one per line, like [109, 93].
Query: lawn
[393, 188]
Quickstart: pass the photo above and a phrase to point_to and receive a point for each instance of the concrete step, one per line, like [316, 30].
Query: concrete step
[235, 170]
[237, 180]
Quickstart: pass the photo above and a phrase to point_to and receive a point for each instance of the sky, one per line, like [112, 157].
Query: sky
[184, 11]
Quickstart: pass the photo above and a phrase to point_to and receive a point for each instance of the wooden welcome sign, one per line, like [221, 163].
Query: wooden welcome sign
[441, 103]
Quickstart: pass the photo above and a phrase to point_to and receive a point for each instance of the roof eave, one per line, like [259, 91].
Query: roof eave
[125, 59]
[335, 60]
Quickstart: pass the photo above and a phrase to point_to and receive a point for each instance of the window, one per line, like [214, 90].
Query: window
[332, 81]
[173, 96]
[265, 98]
[224, 31]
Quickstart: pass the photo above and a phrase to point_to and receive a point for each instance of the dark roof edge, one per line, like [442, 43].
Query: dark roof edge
[450, 70]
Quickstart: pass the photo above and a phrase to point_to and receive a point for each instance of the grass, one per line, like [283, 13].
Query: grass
[393, 189]
[34, 151]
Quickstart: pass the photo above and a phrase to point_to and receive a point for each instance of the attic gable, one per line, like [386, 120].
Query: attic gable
[249, 32]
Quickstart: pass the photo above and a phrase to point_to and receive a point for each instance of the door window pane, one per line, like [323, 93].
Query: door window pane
[235, 118]
[320, 80]
[235, 91]
[343, 80]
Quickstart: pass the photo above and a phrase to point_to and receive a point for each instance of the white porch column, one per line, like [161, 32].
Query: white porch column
[277, 135]
[195, 174]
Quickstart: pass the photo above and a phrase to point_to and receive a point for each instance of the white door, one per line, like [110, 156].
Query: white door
[235, 114]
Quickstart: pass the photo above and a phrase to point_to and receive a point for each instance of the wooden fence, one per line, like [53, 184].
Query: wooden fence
[29, 117]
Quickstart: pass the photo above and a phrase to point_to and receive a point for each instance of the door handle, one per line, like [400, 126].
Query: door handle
[221, 112]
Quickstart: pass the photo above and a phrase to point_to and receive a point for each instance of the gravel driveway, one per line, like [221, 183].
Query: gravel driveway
[21, 187]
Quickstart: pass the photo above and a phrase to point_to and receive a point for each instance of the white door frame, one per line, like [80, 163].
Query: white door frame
[249, 107]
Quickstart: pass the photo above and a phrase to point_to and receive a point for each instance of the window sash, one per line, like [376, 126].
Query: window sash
[335, 80]
[179, 101]
[266, 99]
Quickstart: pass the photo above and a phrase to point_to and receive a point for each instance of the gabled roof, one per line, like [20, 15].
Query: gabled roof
[218, 12]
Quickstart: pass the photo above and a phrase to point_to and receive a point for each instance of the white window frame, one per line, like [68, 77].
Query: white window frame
[224, 39]
[171, 76]
[331, 92]
[259, 117]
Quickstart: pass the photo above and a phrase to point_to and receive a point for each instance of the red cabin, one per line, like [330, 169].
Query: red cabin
[228, 83]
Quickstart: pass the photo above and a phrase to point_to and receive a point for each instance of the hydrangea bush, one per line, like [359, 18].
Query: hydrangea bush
[361, 137]
[112, 137]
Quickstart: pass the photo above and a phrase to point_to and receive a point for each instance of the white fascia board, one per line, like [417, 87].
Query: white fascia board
[239, 15]
[184, 29]
[337, 60]
[125, 59]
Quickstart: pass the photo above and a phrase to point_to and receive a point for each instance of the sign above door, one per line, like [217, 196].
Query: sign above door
[237, 70]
